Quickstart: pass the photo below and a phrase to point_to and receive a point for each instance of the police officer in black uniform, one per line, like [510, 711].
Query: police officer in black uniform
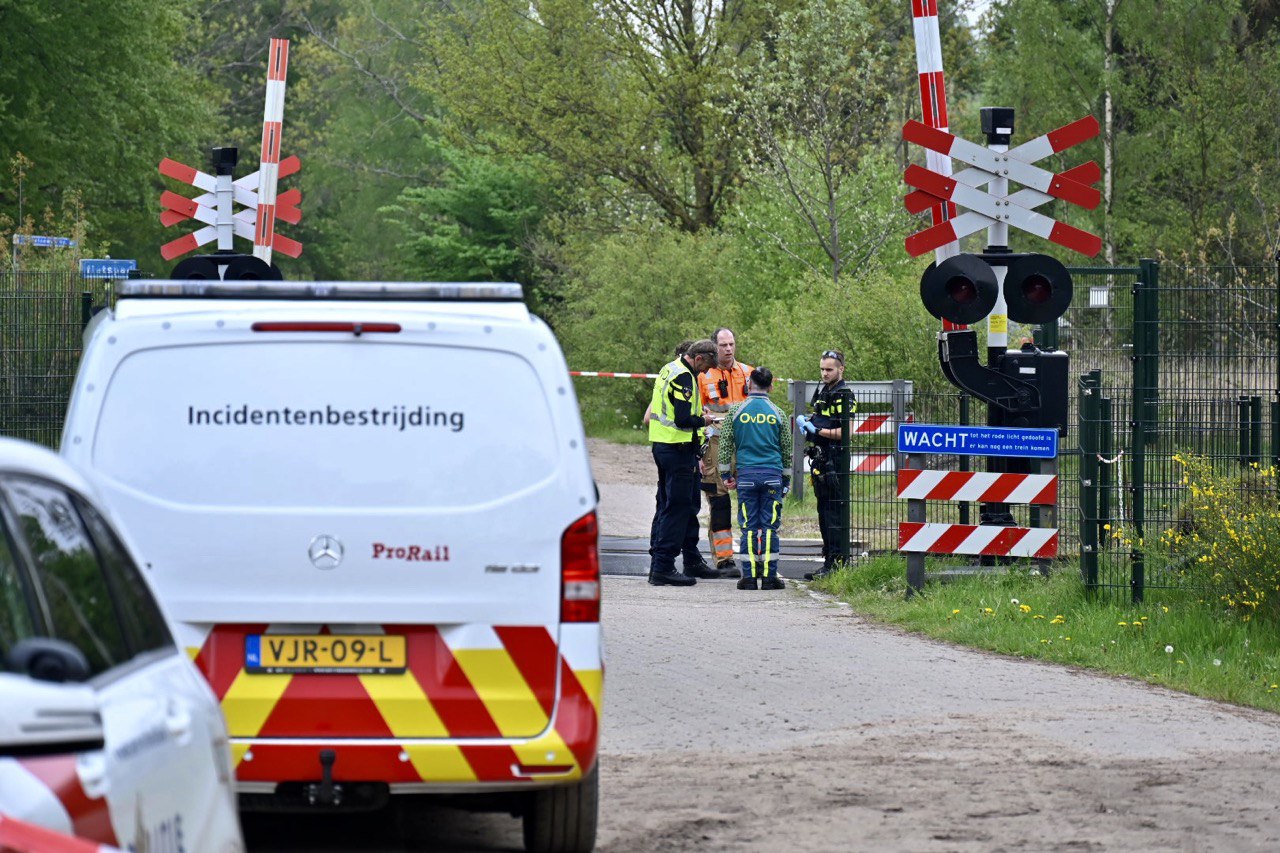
[822, 432]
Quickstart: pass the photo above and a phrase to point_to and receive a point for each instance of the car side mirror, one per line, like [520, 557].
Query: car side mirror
[48, 659]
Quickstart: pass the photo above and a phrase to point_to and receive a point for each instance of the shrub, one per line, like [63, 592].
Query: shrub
[1228, 531]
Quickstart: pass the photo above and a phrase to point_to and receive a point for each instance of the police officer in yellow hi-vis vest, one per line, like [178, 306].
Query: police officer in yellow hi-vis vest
[674, 425]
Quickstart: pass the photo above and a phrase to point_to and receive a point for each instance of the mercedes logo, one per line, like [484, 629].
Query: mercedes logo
[325, 551]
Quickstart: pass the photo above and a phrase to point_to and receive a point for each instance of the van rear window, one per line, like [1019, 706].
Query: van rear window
[321, 424]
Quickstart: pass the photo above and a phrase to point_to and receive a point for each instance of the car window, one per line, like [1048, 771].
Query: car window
[143, 620]
[67, 570]
[15, 618]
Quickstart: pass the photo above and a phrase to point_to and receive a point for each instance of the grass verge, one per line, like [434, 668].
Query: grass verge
[1173, 639]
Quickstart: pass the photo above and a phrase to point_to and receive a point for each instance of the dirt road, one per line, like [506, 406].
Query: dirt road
[781, 721]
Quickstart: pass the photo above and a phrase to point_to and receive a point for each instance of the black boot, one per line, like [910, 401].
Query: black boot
[828, 566]
[670, 578]
[746, 583]
[701, 570]
[772, 582]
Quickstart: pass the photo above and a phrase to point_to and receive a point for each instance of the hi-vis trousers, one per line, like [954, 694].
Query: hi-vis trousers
[759, 516]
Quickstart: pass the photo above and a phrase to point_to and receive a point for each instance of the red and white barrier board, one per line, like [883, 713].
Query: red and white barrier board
[977, 486]
[980, 540]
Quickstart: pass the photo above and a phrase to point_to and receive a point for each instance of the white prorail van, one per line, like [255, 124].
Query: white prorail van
[369, 510]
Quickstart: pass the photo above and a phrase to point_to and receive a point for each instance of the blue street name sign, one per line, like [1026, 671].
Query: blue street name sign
[39, 240]
[106, 267]
[978, 441]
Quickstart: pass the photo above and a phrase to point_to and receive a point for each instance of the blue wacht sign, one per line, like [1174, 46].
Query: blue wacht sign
[978, 441]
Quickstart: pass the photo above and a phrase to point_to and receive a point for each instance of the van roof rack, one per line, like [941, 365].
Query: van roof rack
[395, 291]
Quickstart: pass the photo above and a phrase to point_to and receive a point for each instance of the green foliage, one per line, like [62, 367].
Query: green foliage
[629, 300]
[630, 101]
[1179, 640]
[364, 133]
[1184, 85]
[478, 222]
[1228, 536]
[815, 109]
[91, 94]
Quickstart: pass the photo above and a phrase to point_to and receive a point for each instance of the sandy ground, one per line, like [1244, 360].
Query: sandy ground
[627, 478]
[781, 721]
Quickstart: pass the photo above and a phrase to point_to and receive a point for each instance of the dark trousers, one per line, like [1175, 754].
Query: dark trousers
[826, 493]
[675, 523]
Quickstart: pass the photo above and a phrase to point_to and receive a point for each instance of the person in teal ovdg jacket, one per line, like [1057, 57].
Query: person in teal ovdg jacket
[755, 459]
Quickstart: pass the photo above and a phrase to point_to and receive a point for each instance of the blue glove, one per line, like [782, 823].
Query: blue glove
[806, 425]
[786, 485]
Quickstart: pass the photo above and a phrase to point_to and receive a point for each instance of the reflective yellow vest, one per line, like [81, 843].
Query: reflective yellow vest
[662, 423]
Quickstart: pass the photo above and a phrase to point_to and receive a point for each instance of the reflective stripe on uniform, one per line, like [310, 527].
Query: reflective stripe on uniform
[662, 425]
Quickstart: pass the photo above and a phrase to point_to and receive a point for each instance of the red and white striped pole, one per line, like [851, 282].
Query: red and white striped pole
[269, 166]
[933, 107]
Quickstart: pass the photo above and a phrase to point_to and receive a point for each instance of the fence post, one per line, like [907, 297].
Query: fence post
[1255, 430]
[1242, 430]
[966, 462]
[898, 397]
[798, 394]
[915, 513]
[1145, 318]
[1106, 443]
[1088, 389]
[86, 308]
[1150, 270]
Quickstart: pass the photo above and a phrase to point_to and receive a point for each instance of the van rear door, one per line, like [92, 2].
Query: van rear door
[287, 482]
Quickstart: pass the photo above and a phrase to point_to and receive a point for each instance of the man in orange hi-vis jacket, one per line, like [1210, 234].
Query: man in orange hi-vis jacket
[722, 386]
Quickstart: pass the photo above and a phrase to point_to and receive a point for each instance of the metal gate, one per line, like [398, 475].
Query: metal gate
[42, 315]
[1177, 362]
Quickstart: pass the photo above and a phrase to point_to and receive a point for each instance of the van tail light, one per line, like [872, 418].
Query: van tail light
[580, 571]
[356, 329]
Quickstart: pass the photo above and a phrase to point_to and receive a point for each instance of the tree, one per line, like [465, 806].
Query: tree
[477, 222]
[365, 133]
[1185, 124]
[628, 98]
[815, 111]
[90, 93]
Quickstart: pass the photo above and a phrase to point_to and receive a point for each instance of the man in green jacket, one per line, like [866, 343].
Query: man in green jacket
[755, 459]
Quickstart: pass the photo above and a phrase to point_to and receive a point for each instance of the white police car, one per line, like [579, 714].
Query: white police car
[107, 731]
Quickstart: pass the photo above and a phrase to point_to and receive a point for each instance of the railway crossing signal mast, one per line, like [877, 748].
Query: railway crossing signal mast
[1026, 388]
[255, 193]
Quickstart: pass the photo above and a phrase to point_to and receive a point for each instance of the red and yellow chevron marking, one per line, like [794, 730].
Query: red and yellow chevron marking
[468, 682]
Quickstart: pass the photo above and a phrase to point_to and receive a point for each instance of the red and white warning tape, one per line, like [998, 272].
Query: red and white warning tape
[984, 540]
[614, 375]
[914, 484]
